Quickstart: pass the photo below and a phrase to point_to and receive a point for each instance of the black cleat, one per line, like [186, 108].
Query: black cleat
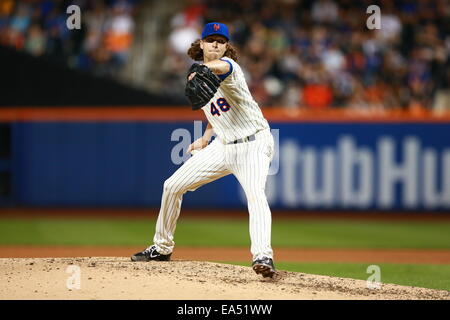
[264, 266]
[150, 254]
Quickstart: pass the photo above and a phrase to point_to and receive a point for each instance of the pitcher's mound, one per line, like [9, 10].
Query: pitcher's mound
[119, 278]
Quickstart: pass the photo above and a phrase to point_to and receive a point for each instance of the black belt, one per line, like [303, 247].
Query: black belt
[246, 139]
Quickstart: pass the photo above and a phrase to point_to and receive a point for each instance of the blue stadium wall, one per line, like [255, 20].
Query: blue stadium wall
[387, 166]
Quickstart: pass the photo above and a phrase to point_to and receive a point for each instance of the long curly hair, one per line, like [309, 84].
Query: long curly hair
[196, 53]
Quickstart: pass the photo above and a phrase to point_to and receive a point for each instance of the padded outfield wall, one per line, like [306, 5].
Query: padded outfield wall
[120, 158]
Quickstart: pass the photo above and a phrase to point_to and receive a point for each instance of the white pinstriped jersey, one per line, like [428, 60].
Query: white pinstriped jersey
[233, 115]
[232, 112]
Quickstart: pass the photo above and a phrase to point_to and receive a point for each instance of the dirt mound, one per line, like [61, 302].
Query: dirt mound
[225, 254]
[119, 278]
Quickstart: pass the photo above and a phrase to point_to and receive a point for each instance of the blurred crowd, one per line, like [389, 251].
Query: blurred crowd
[295, 53]
[321, 54]
[39, 27]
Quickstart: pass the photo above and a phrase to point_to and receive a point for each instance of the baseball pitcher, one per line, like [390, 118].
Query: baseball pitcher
[243, 146]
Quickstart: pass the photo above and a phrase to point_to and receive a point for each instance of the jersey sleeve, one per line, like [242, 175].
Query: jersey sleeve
[231, 63]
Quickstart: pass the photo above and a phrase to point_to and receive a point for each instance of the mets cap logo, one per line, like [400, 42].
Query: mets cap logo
[216, 27]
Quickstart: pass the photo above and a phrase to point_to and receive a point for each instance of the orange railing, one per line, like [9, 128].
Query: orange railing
[170, 114]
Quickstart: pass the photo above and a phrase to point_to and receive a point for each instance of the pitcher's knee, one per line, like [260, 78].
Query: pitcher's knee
[256, 197]
[171, 186]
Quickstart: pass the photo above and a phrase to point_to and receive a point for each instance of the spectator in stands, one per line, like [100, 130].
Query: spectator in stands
[35, 40]
[118, 36]
[18, 25]
[324, 11]
[186, 28]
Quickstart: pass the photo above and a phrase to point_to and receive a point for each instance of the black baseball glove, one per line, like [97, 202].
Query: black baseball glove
[202, 87]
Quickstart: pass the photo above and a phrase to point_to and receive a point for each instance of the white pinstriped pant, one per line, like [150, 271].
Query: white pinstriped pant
[248, 161]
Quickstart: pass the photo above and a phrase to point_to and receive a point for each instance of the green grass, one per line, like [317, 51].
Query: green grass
[424, 276]
[202, 232]
[285, 233]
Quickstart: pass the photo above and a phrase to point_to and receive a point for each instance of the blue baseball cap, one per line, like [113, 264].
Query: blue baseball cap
[215, 28]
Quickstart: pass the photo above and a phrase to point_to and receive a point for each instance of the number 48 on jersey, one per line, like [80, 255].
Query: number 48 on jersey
[223, 106]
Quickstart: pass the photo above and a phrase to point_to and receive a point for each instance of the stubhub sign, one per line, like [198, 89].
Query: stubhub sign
[392, 171]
